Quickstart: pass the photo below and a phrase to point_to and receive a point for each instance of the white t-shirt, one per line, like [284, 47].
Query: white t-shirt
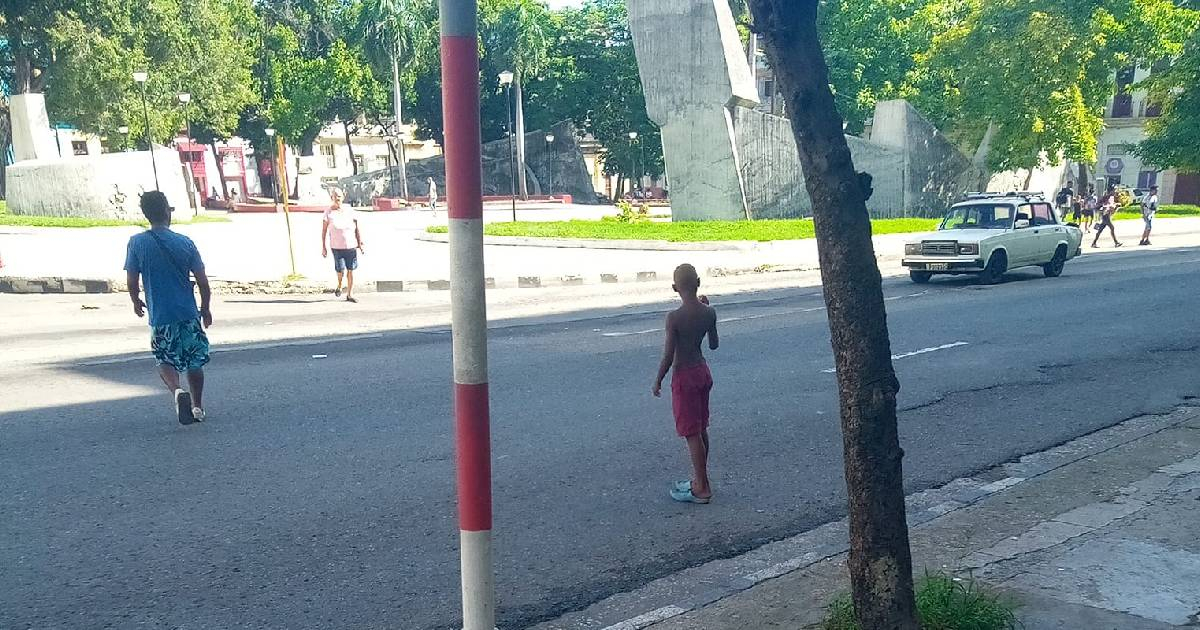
[1149, 206]
[341, 229]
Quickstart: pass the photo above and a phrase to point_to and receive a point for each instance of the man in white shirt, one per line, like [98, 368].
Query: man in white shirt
[1149, 209]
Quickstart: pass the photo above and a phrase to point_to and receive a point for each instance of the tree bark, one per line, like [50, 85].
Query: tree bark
[350, 148]
[880, 559]
[522, 186]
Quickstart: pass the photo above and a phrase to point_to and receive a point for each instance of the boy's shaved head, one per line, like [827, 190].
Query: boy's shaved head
[686, 278]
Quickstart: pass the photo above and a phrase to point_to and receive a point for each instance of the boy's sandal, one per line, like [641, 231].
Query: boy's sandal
[686, 496]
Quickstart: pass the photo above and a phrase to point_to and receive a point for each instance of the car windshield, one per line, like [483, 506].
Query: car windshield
[978, 216]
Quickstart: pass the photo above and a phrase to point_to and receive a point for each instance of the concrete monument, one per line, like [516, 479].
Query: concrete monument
[728, 160]
[40, 182]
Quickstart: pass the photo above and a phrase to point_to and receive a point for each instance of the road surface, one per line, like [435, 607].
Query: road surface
[320, 493]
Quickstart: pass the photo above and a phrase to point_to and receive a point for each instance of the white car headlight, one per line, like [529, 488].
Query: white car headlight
[968, 249]
[912, 248]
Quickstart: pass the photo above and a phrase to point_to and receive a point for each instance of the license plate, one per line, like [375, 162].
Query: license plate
[938, 266]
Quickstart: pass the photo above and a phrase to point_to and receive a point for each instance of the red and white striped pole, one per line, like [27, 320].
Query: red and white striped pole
[460, 113]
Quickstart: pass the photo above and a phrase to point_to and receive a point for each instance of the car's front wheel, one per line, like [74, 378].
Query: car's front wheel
[993, 273]
[1054, 268]
[920, 277]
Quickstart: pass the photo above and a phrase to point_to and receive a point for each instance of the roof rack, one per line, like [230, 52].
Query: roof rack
[1014, 193]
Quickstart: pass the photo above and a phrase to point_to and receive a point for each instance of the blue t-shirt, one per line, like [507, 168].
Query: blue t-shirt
[167, 282]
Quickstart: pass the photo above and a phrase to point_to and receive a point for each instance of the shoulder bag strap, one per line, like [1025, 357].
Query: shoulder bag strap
[174, 261]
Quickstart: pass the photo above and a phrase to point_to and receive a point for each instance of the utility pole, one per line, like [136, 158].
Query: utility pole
[550, 164]
[506, 79]
[468, 306]
[141, 78]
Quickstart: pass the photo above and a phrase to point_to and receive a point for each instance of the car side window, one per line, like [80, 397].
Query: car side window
[1025, 212]
[1043, 214]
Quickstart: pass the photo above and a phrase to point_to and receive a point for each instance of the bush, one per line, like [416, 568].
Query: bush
[943, 603]
[626, 213]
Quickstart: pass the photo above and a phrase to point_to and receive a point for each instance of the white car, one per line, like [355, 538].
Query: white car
[989, 234]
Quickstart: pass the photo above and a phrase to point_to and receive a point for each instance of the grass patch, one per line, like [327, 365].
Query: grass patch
[21, 220]
[942, 604]
[686, 231]
[1170, 211]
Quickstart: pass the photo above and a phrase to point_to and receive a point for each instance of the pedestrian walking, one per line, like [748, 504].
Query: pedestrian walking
[1108, 207]
[1090, 204]
[1149, 209]
[1064, 199]
[340, 233]
[691, 382]
[163, 263]
[433, 198]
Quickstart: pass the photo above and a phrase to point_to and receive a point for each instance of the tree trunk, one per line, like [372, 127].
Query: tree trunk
[350, 148]
[220, 168]
[522, 186]
[398, 106]
[880, 559]
[1029, 178]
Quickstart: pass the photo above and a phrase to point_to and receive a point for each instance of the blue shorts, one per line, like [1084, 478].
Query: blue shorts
[344, 259]
[1149, 221]
[182, 345]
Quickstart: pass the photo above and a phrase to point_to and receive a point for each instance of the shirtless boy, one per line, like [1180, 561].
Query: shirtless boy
[692, 382]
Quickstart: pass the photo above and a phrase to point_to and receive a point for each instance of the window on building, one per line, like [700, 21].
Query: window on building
[1153, 110]
[79, 147]
[330, 158]
[361, 161]
[1147, 179]
[1118, 149]
[1123, 102]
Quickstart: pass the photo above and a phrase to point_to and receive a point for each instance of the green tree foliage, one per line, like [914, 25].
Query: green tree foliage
[313, 74]
[83, 54]
[1174, 137]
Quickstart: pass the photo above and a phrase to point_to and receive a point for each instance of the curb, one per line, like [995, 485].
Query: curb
[697, 587]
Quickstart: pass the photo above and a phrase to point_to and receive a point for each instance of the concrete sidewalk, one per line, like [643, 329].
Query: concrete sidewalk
[1096, 534]
[254, 249]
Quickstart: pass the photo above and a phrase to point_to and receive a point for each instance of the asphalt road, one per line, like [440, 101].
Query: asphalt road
[320, 493]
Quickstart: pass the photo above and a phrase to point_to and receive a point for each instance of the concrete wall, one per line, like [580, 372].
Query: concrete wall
[99, 186]
[694, 74]
[936, 173]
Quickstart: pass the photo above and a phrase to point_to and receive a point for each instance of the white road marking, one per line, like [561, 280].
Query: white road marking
[654, 616]
[897, 357]
[636, 332]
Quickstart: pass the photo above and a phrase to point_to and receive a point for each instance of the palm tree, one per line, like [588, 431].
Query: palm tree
[393, 35]
[523, 26]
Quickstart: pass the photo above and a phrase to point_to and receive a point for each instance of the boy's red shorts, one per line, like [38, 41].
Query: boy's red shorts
[690, 387]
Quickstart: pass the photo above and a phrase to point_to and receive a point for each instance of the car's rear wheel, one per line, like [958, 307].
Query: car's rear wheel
[993, 273]
[1054, 268]
[920, 277]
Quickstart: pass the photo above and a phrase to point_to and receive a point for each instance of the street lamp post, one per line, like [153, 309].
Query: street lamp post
[140, 78]
[633, 161]
[184, 99]
[506, 80]
[391, 141]
[550, 163]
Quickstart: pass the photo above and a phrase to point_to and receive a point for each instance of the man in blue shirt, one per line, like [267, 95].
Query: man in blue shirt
[164, 261]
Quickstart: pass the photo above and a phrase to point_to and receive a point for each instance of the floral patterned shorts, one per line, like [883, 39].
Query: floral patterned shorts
[182, 345]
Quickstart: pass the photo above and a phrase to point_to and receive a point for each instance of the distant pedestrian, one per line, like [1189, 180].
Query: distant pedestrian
[1149, 209]
[1064, 199]
[691, 384]
[165, 262]
[433, 198]
[339, 232]
[1090, 204]
[1108, 207]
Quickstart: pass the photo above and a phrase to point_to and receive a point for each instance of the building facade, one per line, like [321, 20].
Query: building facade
[1124, 127]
